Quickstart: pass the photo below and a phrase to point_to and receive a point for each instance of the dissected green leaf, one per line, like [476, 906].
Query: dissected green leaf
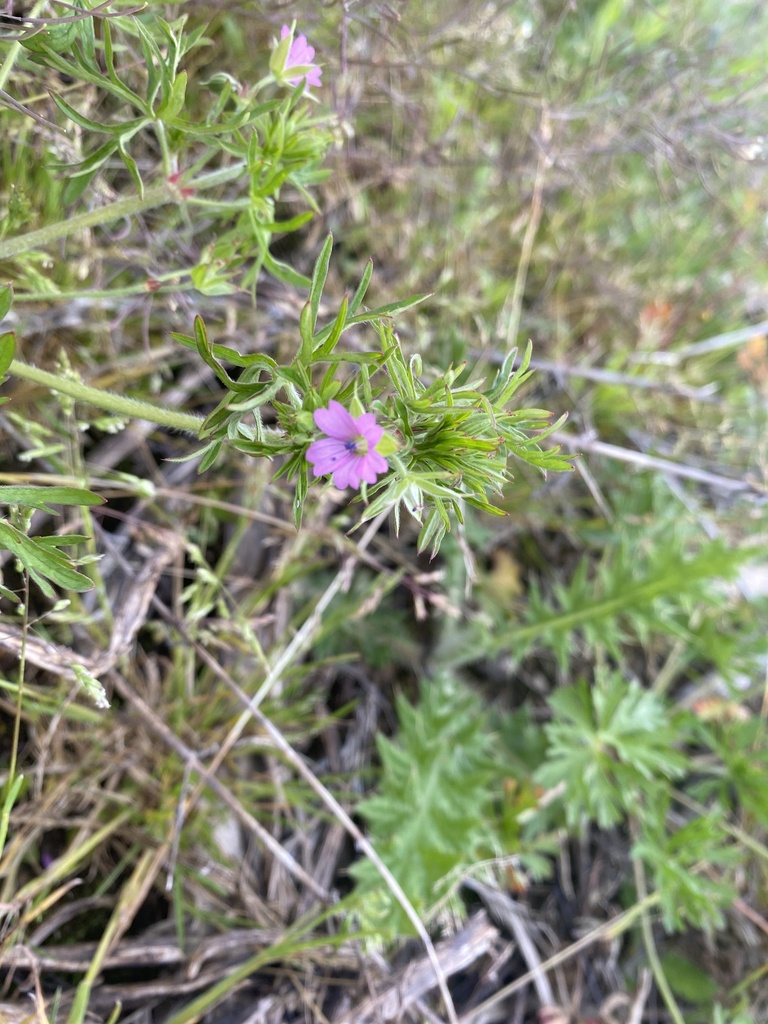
[675, 857]
[610, 741]
[431, 812]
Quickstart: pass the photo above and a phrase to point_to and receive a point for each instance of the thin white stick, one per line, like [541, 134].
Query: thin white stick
[644, 461]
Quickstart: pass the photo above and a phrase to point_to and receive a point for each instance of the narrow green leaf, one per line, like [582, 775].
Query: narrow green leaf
[223, 127]
[210, 453]
[284, 272]
[6, 298]
[41, 562]
[75, 187]
[204, 349]
[132, 166]
[391, 309]
[336, 328]
[86, 122]
[152, 58]
[230, 354]
[301, 494]
[92, 162]
[172, 48]
[43, 497]
[86, 37]
[292, 224]
[57, 37]
[173, 104]
[109, 53]
[7, 351]
[319, 277]
[381, 313]
[56, 540]
[13, 788]
[362, 288]
[305, 329]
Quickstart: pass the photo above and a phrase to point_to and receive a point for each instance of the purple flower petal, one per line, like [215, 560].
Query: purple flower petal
[347, 473]
[313, 78]
[336, 421]
[348, 452]
[326, 454]
[376, 463]
[372, 433]
[301, 55]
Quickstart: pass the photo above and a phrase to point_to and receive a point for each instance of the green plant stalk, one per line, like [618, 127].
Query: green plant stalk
[20, 696]
[601, 609]
[287, 948]
[132, 896]
[534, 219]
[13, 787]
[648, 941]
[108, 400]
[11, 796]
[92, 218]
[171, 281]
[156, 196]
[113, 1017]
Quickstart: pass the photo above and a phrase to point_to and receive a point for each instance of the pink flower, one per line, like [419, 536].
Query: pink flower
[348, 452]
[300, 55]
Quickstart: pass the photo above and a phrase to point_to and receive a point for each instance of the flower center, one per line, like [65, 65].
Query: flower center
[359, 446]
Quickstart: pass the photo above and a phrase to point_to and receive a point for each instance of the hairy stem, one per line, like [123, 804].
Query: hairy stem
[155, 196]
[108, 400]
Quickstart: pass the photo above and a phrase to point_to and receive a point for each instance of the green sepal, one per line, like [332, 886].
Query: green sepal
[280, 56]
[387, 445]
